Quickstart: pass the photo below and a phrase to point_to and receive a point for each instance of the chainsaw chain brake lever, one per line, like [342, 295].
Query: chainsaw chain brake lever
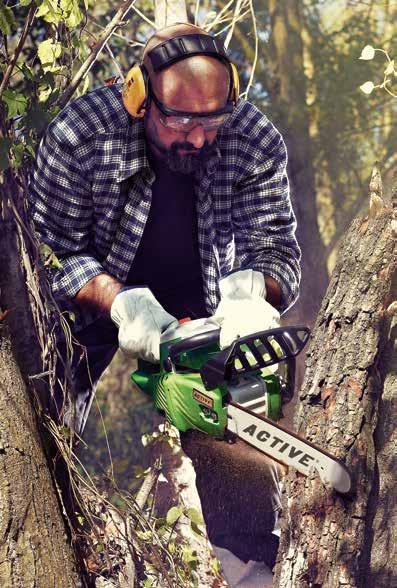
[246, 354]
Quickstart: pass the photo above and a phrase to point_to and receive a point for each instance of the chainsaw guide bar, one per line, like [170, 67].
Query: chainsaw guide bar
[286, 447]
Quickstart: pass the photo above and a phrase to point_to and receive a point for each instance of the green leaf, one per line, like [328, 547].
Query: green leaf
[17, 151]
[50, 11]
[25, 2]
[5, 145]
[173, 515]
[48, 52]
[188, 555]
[194, 515]
[26, 71]
[16, 103]
[7, 19]
[48, 256]
[44, 93]
[71, 13]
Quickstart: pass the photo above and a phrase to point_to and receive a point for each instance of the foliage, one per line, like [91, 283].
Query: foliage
[389, 73]
[44, 45]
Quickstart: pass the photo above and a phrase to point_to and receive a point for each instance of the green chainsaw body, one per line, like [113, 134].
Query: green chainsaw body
[195, 378]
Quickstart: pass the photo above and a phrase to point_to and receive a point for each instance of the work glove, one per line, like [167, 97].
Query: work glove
[243, 309]
[141, 319]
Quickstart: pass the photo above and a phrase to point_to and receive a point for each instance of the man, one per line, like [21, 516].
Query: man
[149, 216]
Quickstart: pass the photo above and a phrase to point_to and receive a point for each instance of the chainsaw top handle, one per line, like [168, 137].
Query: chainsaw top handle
[246, 354]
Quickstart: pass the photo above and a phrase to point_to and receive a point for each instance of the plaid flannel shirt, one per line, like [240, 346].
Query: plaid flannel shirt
[90, 195]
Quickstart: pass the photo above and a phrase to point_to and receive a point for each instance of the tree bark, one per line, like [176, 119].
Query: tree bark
[34, 550]
[346, 405]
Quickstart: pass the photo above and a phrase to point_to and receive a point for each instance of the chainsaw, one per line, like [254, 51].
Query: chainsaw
[236, 391]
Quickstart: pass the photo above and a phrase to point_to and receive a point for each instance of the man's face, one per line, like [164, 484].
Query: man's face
[184, 150]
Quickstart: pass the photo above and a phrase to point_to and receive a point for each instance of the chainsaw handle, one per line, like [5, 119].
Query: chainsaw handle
[194, 342]
[292, 340]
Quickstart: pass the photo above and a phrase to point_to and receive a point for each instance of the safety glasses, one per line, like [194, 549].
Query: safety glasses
[186, 121]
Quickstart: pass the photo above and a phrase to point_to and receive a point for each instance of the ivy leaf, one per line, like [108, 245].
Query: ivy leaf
[16, 103]
[173, 515]
[7, 19]
[5, 145]
[367, 87]
[367, 53]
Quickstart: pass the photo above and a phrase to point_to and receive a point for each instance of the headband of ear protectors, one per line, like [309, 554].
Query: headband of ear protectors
[135, 88]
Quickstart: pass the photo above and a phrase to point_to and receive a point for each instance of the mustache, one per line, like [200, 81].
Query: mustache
[185, 145]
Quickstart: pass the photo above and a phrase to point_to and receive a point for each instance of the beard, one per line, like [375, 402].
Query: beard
[186, 163]
[189, 162]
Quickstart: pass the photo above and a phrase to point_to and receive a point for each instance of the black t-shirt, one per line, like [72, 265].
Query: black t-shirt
[168, 259]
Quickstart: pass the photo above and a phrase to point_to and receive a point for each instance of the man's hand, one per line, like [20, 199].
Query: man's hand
[141, 320]
[243, 309]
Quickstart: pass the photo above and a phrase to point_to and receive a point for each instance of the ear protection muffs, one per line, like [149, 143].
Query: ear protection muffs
[135, 92]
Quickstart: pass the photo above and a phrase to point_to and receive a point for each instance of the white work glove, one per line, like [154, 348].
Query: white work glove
[243, 309]
[141, 320]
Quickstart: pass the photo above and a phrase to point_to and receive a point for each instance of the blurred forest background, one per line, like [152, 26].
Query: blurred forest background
[298, 62]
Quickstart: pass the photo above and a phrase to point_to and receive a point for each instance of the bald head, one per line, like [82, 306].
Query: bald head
[206, 77]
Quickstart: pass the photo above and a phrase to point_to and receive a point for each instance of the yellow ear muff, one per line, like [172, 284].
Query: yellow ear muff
[134, 91]
[236, 83]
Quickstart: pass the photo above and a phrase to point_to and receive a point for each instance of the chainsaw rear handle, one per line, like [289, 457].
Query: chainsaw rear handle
[223, 365]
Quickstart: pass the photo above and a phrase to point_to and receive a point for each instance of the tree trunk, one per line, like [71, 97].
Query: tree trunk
[34, 550]
[346, 406]
[287, 88]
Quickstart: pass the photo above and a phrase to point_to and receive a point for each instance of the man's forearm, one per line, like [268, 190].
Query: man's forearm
[99, 293]
[273, 292]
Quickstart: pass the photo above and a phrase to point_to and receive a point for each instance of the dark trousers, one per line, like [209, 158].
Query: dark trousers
[238, 487]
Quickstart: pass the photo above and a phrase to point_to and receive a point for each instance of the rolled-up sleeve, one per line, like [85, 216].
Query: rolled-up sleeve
[263, 219]
[60, 203]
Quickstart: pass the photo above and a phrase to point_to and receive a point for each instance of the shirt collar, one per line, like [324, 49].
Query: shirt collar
[133, 156]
